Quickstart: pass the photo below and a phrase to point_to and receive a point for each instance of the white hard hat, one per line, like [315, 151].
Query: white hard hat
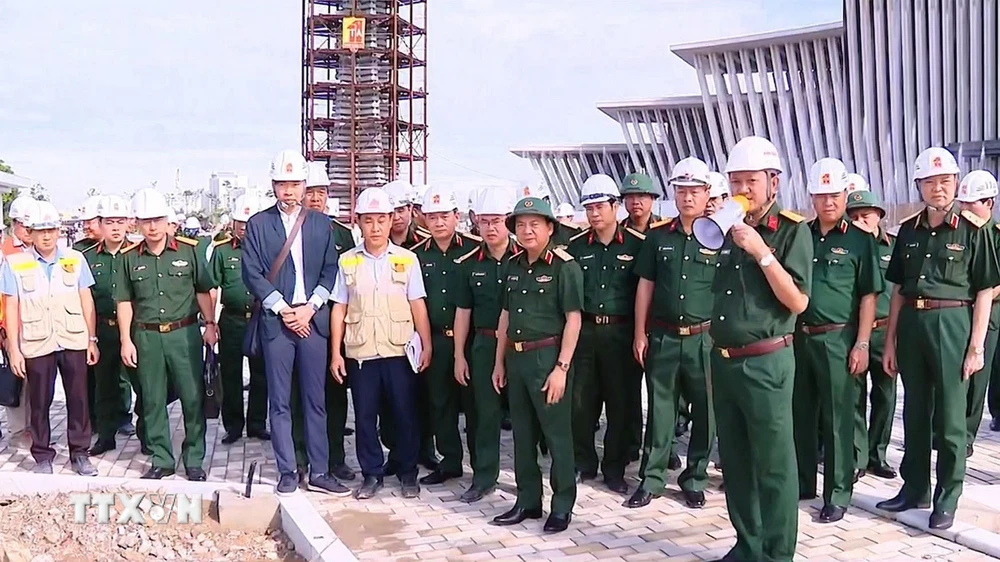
[400, 192]
[418, 194]
[474, 195]
[565, 210]
[856, 182]
[113, 207]
[599, 188]
[245, 207]
[374, 200]
[148, 203]
[179, 218]
[192, 223]
[718, 185]
[753, 154]
[439, 200]
[289, 165]
[689, 172]
[976, 186]
[19, 206]
[44, 216]
[89, 209]
[318, 176]
[224, 218]
[495, 201]
[333, 206]
[935, 161]
[827, 175]
[534, 188]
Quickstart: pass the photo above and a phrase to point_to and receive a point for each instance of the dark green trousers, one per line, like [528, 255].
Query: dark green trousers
[873, 432]
[677, 365]
[753, 406]
[605, 375]
[113, 383]
[232, 328]
[824, 390]
[978, 384]
[931, 350]
[175, 359]
[446, 399]
[533, 419]
[484, 449]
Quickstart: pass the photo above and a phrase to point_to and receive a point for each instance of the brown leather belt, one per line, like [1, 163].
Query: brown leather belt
[880, 323]
[169, 326]
[821, 329]
[520, 346]
[757, 348]
[606, 319]
[108, 322]
[692, 330]
[488, 332]
[934, 304]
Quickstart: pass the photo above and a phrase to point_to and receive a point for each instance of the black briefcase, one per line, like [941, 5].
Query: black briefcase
[10, 384]
[210, 373]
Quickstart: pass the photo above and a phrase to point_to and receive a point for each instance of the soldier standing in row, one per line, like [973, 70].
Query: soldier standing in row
[478, 293]
[90, 222]
[944, 261]
[563, 231]
[761, 286]
[536, 339]
[718, 192]
[638, 195]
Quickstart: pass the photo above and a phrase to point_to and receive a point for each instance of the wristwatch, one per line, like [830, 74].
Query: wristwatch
[563, 366]
[862, 345]
[767, 260]
[93, 339]
[978, 350]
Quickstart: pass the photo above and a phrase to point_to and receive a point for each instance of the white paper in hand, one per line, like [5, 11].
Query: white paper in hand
[414, 348]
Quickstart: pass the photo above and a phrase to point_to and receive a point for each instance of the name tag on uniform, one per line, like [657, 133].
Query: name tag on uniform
[587, 257]
[625, 257]
[886, 258]
[913, 245]
[512, 278]
[706, 251]
[666, 248]
[179, 263]
[479, 274]
[955, 247]
[839, 251]
[543, 279]
[139, 268]
[234, 259]
[98, 264]
[726, 252]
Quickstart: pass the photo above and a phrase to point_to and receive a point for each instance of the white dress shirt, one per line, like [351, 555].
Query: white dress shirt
[295, 254]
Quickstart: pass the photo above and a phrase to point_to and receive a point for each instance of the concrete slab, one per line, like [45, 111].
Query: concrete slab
[259, 512]
[313, 537]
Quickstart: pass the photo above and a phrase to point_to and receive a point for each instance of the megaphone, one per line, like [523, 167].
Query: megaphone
[711, 231]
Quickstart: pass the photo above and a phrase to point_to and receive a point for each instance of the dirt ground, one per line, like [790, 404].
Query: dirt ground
[41, 528]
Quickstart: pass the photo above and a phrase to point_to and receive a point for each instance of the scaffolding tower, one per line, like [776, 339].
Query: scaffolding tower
[364, 92]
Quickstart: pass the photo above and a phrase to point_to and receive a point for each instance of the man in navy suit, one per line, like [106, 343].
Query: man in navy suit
[295, 320]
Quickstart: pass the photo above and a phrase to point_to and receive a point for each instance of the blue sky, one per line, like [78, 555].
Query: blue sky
[114, 95]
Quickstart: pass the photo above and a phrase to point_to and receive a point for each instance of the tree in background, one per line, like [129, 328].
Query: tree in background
[5, 168]
[8, 196]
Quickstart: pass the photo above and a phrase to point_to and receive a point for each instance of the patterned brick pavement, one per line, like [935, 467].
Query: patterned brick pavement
[439, 527]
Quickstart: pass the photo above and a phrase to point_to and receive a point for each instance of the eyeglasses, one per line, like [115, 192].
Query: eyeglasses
[492, 223]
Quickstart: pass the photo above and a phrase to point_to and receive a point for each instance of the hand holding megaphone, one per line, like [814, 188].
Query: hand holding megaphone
[711, 231]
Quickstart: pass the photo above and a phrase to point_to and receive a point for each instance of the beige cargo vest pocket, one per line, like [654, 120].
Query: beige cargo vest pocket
[75, 323]
[400, 316]
[35, 324]
[354, 335]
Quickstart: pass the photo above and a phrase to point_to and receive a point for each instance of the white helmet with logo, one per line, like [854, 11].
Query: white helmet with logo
[856, 182]
[289, 165]
[718, 185]
[827, 175]
[753, 154]
[599, 188]
[418, 193]
[192, 223]
[690, 172]
[44, 216]
[19, 208]
[935, 161]
[439, 200]
[565, 211]
[374, 200]
[976, 186]
[245, 207]
[113, 207]
[495, 201]
[318, 176]
[399, 191]
[148, 203]
[89, 209]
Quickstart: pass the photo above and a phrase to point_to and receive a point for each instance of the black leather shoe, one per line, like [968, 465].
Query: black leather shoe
[475, 493]
[557, 522]
[126, 429]
[430, 463]
[675, 461]
[616, 485]
[995, 424]
[342, 472]
[900, 503]
[831, 513]
[969, 450]
[640, 498]
[368, 488]
[858, 475]
[390, 468]
[196, 474]
[439, 477]
[515, 516]
[680, 429]
[155, 473]
[882, 471]
[231, 438]
[102, 447]
[942, 519]
[410, 487]
[694, 500]
[263, 435]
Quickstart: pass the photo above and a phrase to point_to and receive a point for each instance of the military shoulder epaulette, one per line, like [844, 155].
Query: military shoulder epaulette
[913, 216]
[131, 247]
[89, 248]
[663, 222]
[974, 219]
[562, 254]
[471, 236]
[997, 225]
[517, 253]
[222, 241]
[863, 227]
[570, 225]
[417, 245]
[467, 256]
[186, 240]
[635, 233]
[792, 216]
[421, 231]
[579, 234]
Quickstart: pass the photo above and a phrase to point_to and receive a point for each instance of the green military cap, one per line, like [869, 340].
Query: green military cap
[864, 200]
[640, 184]
[531, 206]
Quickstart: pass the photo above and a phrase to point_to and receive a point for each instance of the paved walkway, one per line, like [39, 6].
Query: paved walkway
[438, 527]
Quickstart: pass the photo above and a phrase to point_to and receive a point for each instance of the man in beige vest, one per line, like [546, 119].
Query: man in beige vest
[48, 295]
[379, 305]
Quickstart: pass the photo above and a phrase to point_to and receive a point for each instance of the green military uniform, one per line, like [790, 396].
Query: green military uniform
[979, 382]
[445, 394]
[939, 272]
[113, 381]
[227, 269]
[82, 246]
[605, 371]
[563, 233]
[85, 244]
[162, 290]
[478, 287]
[753, 369]
[677, 362]
[846, 269]
[627, 223]
[537, 297]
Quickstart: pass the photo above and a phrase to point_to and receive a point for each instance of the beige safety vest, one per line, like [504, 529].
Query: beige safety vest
[379, 322]
[51, 311]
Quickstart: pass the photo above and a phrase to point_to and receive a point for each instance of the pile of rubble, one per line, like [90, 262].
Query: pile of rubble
[41, 528]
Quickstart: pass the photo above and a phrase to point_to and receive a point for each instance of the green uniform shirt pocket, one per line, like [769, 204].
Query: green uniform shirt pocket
[912, 261]
[707, 264]
[180, 268]
[954, 258]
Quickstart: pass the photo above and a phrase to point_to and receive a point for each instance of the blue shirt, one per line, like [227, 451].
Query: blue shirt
[8, 283]
[380, 266]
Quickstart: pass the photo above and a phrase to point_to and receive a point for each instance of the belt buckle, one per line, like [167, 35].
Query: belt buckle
[164, 328]
[601, 319]
[449, 333]
[518, 346]
[920, 304]
[248, 315]
[684, 331]
[724, 352]
[112, 322]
